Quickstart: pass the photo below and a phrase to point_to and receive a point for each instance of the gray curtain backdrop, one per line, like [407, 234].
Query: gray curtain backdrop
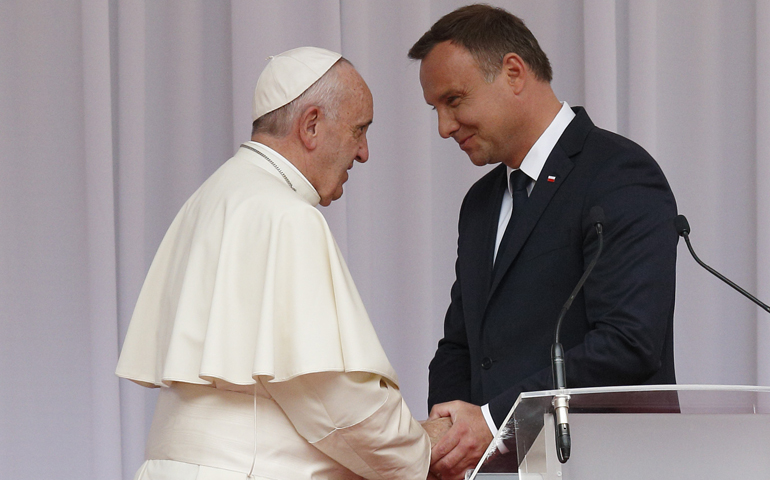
[113, 112]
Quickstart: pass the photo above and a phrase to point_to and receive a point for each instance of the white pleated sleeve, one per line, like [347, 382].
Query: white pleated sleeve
[359, 419]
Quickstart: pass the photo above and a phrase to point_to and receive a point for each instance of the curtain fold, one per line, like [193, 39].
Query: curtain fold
[100, 228]
[762, 42]
[643, 74]
[132, 255]
[601, 62]
[113, 112]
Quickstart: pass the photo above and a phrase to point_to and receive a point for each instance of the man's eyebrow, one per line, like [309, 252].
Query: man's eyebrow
[448, 93]
[442, 97]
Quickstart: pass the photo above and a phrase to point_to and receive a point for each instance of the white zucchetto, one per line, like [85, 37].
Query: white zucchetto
[288, 75]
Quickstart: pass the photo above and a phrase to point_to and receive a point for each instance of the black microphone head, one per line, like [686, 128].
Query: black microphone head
[596, 215]
[682, 225]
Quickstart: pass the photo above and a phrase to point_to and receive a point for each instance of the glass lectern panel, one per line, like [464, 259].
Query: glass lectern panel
[641, 432]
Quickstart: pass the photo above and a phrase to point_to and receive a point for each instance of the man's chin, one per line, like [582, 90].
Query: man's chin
[479, 160]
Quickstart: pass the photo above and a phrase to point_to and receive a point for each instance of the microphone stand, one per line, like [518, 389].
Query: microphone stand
[561, 399]
[683, 229]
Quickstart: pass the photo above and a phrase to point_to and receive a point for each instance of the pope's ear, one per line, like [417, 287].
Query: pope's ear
[309, 124]
[515, 71]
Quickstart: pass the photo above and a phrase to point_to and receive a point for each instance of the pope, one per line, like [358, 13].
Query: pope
[249, 320]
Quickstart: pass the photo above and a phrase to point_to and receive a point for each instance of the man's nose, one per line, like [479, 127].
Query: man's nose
[447, 125]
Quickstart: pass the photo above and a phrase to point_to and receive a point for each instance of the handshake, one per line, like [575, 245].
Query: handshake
[459, 436]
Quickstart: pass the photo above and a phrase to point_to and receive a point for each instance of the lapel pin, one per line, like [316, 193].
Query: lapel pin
[552, 178]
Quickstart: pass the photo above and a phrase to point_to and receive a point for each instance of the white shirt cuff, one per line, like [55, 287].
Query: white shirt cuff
[493, 428]
[488, 418]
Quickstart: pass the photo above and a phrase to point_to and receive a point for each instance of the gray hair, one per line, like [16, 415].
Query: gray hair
[326, 93]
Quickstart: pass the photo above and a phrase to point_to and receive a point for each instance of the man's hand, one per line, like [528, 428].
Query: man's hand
[464, 443]
[436, 428]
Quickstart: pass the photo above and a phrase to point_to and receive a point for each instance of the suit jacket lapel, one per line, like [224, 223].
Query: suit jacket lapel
[480, 264]
[557, 165]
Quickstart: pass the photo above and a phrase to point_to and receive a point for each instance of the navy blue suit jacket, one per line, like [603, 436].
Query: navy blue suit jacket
[500, 324]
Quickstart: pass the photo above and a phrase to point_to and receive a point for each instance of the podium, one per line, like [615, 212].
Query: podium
[637, 432]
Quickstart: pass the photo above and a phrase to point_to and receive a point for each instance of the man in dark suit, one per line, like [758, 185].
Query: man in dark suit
[525, 236]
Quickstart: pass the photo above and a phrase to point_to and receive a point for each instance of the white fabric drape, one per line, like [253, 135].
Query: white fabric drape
[113, 112]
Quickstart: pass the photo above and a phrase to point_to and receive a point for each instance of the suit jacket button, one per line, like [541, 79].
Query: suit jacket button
[486, 363]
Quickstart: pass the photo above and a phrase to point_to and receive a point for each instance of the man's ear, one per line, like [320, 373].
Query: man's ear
[515, 71]
[309, 124]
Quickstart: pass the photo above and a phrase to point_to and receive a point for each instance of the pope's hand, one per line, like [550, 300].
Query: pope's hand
[465, 442]
[436, 428]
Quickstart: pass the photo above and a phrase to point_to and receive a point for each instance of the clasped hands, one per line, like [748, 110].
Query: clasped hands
[459, 436]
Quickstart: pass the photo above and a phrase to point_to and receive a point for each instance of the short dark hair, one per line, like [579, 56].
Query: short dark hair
[488, 33]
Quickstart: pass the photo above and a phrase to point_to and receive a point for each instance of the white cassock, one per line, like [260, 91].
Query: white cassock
[251, 323]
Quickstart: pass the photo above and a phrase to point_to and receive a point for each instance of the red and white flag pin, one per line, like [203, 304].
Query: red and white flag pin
[551, 178]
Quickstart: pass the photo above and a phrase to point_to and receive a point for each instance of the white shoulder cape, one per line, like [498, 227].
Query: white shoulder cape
[249, 281]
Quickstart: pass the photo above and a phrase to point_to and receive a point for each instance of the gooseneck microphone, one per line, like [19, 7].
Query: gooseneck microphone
[561, 400]
[683, 229]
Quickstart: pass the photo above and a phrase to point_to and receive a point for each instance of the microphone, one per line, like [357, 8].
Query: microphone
[561, 400]
[683, 229]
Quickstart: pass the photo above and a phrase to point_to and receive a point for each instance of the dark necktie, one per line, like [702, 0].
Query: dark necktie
[518, 185]
[519, 181]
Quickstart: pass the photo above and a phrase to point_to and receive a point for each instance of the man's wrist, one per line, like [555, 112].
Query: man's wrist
[493, 428]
